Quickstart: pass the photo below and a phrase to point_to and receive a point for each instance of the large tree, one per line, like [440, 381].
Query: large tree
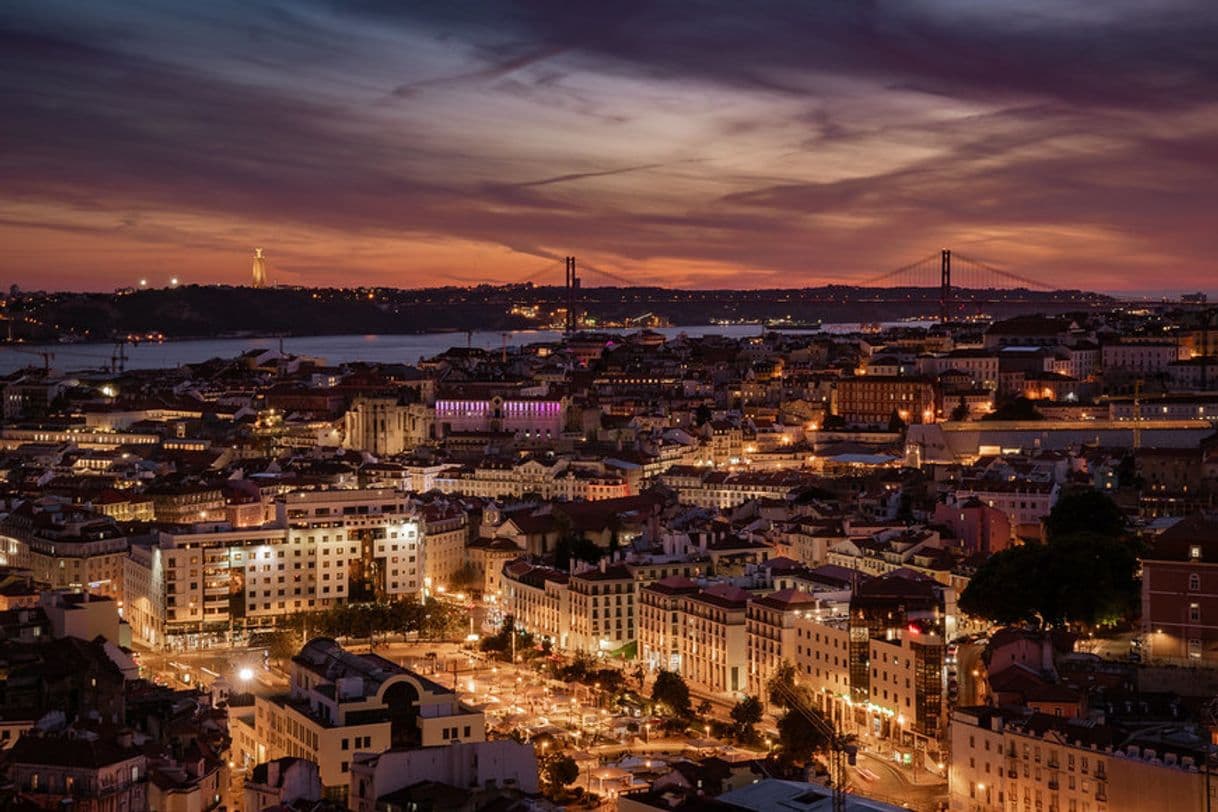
[1085, 510]
[1095, 578]
[1018, 409]
[670, 689]
[745, 715]
[558, 771]
[798, 737]
[782, 684]
[1004, 589]
[1078, 578]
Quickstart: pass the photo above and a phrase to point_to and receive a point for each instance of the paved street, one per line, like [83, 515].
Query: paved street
[879, 778]
[516, 697]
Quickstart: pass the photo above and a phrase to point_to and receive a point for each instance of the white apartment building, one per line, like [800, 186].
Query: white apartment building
[1166, 407]
[980, 365]
[1142, 358]
[905, 697]
[538, 598]
[822, 659]
[444, 534]
[1079, 362]
[727, 489]
[771, 632]
[602, 608]
[192, 586]
[386, 559]
[1009, 763]
[66, 547]
[658, 623]
[500, 764]
[712, 646]
[211, 582]
[342, 704]
[494, 479]
[595, 610]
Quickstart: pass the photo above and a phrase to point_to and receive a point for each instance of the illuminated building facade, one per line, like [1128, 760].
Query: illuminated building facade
[532, 417]
[215, 582]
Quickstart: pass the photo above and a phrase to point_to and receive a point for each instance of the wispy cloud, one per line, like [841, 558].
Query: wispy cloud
[677, 143]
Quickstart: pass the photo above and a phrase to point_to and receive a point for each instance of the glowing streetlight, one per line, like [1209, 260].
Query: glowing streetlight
[245, 674]
[173, 283]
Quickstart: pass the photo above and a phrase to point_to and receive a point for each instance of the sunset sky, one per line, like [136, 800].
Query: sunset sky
[706, 144]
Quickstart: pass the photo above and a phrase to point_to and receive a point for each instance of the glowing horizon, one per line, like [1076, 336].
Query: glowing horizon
[791, 145]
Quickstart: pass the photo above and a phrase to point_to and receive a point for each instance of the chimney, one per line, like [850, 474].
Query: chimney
[272, 774]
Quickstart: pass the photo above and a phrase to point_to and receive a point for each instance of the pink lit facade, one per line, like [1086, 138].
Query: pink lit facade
[543, 418]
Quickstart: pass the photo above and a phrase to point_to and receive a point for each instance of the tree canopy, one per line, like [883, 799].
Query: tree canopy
[431, 620]
[1018, 409]
[783, 684]
[745, 715]
[798, 737]
[558, 771]
[670, 689]
[1085, 510]
[1079, 578]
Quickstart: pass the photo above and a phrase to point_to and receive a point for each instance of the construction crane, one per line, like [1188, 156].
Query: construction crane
[843, 750]
[1137, 414]
[118, 360]
[47, 357]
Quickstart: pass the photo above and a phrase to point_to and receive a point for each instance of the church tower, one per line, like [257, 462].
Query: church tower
[259, 269]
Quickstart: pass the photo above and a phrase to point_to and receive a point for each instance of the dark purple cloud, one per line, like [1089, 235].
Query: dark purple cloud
[791, 139]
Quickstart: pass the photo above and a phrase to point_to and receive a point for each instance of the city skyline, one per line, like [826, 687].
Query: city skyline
[797, 144]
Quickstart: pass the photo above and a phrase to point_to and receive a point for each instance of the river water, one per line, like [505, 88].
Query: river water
[406, 349]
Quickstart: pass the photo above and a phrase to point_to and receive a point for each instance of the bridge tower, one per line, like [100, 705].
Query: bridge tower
[572, 285]
[945, 285]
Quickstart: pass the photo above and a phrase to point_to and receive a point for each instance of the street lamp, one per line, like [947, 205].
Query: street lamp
[245, 674]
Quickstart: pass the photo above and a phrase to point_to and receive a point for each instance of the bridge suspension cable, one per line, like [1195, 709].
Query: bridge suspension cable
[616, 277]
[1003, 274]
[915, 269]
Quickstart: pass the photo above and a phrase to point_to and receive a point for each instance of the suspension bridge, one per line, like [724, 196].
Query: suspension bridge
[951, 272]
[943, 271]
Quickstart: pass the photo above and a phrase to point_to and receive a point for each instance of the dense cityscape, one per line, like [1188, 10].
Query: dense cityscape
[652, 406]
[952, 565]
